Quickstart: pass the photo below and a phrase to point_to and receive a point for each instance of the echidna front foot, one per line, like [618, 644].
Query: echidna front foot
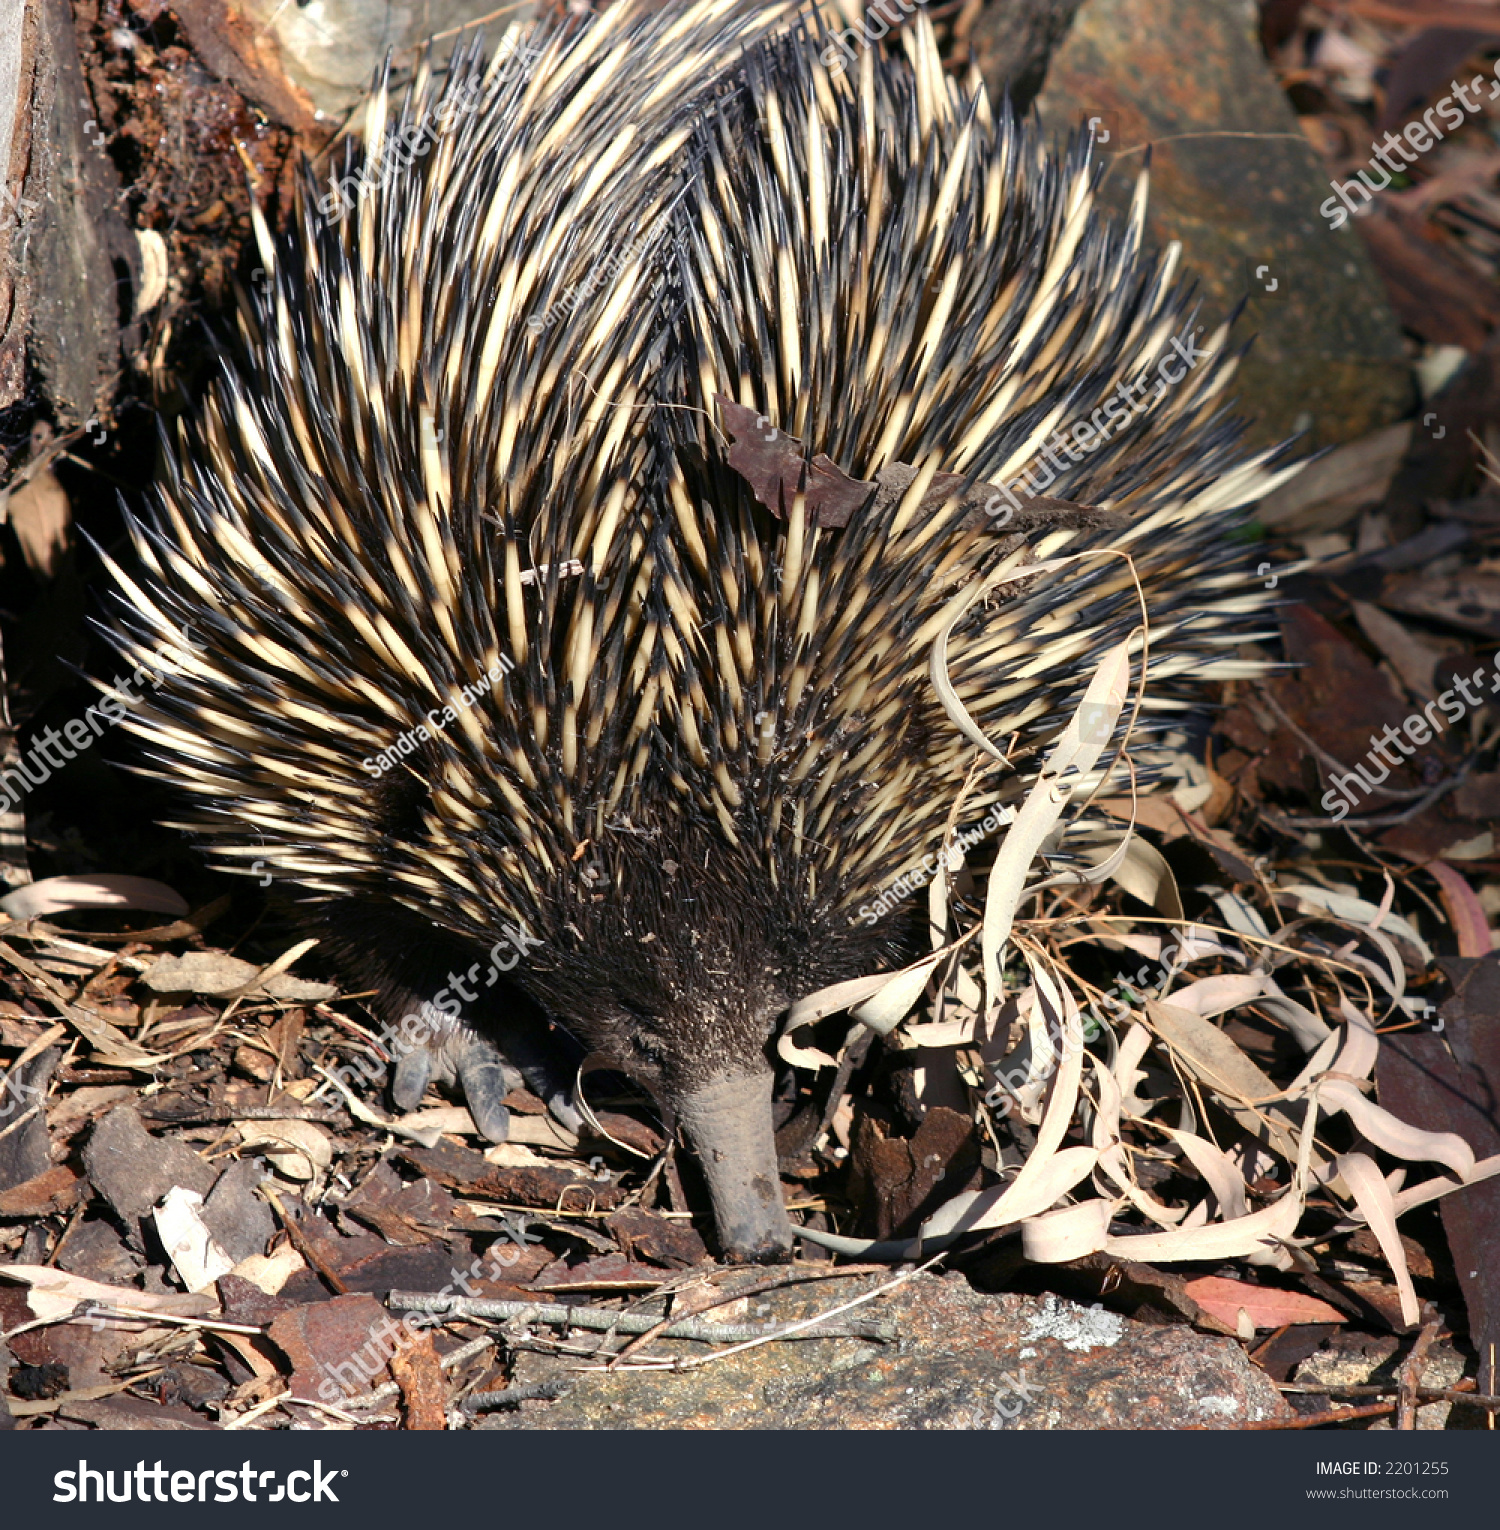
[475, 1064]
[484, 1074]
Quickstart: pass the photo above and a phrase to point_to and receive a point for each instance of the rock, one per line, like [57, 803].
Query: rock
[1356, 1360]
[1177, 72]
[964, 1360]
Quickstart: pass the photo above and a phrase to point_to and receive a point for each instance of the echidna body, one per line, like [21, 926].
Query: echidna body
[696, 737]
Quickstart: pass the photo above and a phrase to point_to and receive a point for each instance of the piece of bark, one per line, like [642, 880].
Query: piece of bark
[133, 1170]
[81, 259]
[25, 1152]
[19, 31]
[457, 1168]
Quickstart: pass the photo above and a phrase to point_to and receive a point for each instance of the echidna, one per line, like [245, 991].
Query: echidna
[698, 731]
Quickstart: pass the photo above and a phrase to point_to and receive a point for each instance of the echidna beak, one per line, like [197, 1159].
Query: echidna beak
[728, 1124]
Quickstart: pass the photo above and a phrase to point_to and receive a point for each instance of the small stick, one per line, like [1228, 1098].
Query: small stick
[1411, 1373]
[1311, 1420]
[601, 1320]
[488, 1402]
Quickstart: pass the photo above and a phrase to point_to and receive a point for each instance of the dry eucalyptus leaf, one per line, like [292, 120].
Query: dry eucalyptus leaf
[197, 1258]
[212, 972]
[55, 1293]
[54, 895]
[1265, 1306]
[42, 519]
[270, 1272]
[301, 1150]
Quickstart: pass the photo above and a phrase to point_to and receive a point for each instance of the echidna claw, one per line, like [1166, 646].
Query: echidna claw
[485, 1078]
[409, 1081]
[475, 1064]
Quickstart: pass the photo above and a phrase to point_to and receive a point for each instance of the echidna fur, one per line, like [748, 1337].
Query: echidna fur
[720, 738]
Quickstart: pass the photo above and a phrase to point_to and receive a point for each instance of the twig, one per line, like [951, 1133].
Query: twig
[756, 1288]
[1310, 1420]
[1458, 1395]
[1385, 1389]
[246, 1113]
[1334, 764]
[794, 1328]
[242, 1419]
[489, 1402]
[1379, 820]
[603, 1320]
[1411, 1373]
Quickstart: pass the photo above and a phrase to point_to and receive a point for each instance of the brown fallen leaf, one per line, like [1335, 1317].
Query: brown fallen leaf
[1413, 657]
[1332, 490]
[772, 463]
[1434, 295]
[1470, 924]
[1263, 1306]
[1449, 1080]
[1468, 600]
[776, 468]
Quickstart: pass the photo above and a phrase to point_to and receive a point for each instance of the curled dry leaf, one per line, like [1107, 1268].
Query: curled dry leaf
[55, 895]
[1470, 923]
[301, 1150]
[1170, 1040]
[56, 1294]
[213, 973]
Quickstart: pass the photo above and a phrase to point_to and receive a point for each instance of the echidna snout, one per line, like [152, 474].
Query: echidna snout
[728, 1123]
